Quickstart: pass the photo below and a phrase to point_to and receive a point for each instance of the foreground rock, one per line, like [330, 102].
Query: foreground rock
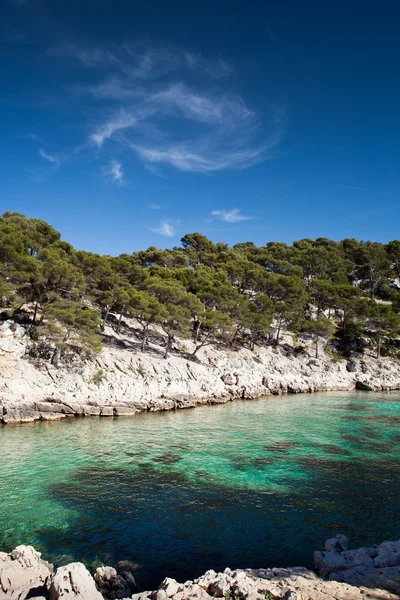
[22, 571]
[374, 567]
[123, 381]
[114, 585]
[365, 573]
[73, 582]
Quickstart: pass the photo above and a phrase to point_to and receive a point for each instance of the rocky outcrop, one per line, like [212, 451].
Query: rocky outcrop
[73, 582]
[24, 574]
[21, 571]
[374, 567]
[114, 585]
[123, 381]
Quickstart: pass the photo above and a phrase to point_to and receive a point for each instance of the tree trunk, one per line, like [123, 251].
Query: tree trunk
[378, 348]
[106, 317]
[203, 343]
[34, 314]
[168, 346]
[144, 337]
[278, 333]
[56, 356]
[317, 346]
[196, 331]
[119, 320]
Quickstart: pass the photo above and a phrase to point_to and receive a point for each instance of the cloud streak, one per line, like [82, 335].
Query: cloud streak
[114, 172]
[229, 216]
[50, 158]
[145, 101]
[351, 187]
[164, 228]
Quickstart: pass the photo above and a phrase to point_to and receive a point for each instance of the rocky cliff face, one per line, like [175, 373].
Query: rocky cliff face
[123, 380]
[24, 574]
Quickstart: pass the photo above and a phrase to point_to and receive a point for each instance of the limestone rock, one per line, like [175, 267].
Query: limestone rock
[74, 582]
[388, 554]
[113, 585]
[170, 587]
[375, 567]
[21, 571]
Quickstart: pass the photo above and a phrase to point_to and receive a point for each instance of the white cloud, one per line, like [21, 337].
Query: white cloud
[49, 157]
[122, 120]
[142, 61]
[156, 206]
[229, 216]
[114, 172]
[165, 228]
[202, 107]
[351, 187]
[153, 109]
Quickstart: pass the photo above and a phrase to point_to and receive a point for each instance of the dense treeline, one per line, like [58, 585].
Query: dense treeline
[248, 295]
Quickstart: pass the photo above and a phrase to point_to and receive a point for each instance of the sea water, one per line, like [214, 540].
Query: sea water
[246, 484]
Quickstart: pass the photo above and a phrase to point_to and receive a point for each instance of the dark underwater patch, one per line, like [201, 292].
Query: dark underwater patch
[335, 450]
[281, 446]
[357, 407]
[169, 458]
[247, 464]
[366, 443]
[168, 525]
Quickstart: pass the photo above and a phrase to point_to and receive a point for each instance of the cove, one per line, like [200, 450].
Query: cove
[246, 484]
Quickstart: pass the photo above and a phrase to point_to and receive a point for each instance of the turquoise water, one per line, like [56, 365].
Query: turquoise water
[250, 483]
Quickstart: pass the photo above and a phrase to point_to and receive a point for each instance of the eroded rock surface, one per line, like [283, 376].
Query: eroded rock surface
[262, 584]
[374, 567]
[73, 582]
[114, 585]
[132, 381]
[352, 575]
[22, 571]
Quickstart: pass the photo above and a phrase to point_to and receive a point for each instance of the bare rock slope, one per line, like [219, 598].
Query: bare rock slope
[123, 380]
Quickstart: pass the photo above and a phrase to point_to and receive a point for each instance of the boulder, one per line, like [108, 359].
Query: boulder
[388, 554]
[74, 582]
[171, 587]
[22, 571]
[387, 578]
[113, 585]
[338, 543]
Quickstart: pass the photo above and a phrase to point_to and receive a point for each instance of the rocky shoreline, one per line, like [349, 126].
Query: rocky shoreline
[123, 381]
[340, 573]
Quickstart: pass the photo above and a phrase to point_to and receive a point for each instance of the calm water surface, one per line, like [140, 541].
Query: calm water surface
[247, 484]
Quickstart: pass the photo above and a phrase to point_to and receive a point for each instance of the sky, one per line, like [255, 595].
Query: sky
[129, 123]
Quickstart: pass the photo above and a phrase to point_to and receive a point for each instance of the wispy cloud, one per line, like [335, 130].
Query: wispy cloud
[164, 228]
[142, 60]
[114, 172]
[229, 216]
[146, 103]
[122, 120]
[352, 187]
[156, 207]
[49, 157]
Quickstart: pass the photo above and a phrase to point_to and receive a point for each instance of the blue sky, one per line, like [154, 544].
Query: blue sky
[128, 123]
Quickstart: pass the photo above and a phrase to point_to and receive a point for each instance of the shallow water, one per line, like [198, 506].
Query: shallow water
[246, 484]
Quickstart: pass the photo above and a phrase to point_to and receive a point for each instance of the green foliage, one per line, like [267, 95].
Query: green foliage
[318, 328]
[99, 377]
[383, 322]
[211, 292]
